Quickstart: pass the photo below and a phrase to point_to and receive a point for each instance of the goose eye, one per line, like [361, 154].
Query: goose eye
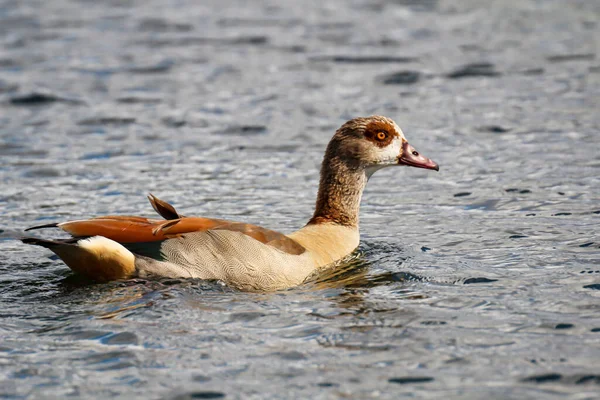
[415, 153]
[381, 135]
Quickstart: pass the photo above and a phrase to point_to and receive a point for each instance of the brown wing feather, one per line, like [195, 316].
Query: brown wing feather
[130, 229]
[163, 208]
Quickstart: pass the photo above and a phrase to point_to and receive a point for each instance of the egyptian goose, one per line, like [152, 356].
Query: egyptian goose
[244, 256]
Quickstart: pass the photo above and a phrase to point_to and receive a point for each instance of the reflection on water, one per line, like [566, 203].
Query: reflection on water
[479, 281]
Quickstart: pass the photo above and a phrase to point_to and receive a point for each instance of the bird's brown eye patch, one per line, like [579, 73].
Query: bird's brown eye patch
[380, 133]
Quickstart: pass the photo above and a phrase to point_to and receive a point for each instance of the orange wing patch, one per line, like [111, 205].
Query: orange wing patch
[118, 228]
[128, 229]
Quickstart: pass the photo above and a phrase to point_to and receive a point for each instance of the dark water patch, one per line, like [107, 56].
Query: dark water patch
[406, 380]
[517, 236]
[283, 148]
[474, 70]
[172, 281]
[291, 356]
[328, 384]
[250, 40]
[348, 59]
[200, 395]
[570, 57]
[494, 129]
[586, 379]
[10, 63]
[433, 323]
[561, 214]
[328, 25]
[579, 379]
[425, 249]
[470, 281]
[595, 330]
[37, 122]
[487, 205]
[25, 373]
[7, 148]
[246, 316]
[245, 130]
[40, 99]
[401, 78]
[101, 72]
[162, 25]
[174, 122]
[516, 190]
[201, 378]
[593, 286]
[258, 22]
[120, 339]
[457, 360]
[102, 155]
[294, 48]
[18, 22]
[404, 277]
[107, 121]
[533, 71]
[544, 378]
[138, 100]
[564, 326]
[160, 67]
[588, 244]
[42, 173]
[462, 194]
[418, 5]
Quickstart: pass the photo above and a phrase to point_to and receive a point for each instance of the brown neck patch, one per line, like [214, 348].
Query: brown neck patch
[340, 191]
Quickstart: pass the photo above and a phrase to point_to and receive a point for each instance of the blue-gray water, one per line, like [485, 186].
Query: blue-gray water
[480, 281]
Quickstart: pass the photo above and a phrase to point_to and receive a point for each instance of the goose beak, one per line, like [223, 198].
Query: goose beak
[413, 158]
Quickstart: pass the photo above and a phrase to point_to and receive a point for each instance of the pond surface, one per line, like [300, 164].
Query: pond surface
[480, 281]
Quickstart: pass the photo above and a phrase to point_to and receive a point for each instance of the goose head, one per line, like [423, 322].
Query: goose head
[373, 143]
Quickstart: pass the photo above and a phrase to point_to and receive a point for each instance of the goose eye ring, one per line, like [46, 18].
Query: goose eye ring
[381, 135]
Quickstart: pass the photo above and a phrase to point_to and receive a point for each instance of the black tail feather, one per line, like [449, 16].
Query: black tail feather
[51, 225]
[47, 243]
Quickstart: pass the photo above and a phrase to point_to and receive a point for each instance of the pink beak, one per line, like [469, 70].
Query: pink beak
[411, 157]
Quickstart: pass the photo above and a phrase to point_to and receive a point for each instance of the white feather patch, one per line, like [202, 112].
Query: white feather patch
[105, 248]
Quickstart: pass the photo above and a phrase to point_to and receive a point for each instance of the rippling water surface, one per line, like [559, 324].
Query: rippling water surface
[480, 281]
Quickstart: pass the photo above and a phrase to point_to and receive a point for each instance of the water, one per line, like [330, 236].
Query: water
[480, 281]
